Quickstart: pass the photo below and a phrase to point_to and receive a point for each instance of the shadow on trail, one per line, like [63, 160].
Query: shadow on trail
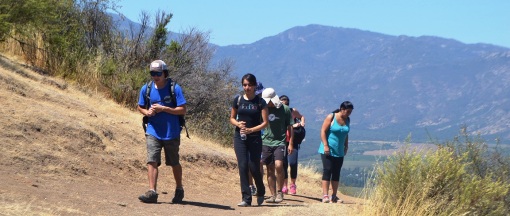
[201, 204]
[320, 200]
[293, 200]
[282, 204]
[310, 198]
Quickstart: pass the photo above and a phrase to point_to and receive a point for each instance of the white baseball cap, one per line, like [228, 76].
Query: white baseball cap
[270, 95]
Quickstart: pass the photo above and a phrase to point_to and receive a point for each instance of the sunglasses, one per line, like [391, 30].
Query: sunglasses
[154, 73]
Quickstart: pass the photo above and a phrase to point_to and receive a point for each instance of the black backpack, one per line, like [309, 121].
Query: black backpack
[299, 132]
[145, 120]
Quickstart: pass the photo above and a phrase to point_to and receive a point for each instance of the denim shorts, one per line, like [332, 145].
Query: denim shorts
[171, 148]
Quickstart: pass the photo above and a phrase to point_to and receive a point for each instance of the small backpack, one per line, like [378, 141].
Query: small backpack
[182, 121]
[299, 132]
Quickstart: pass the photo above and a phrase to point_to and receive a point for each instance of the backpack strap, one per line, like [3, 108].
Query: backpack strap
[147, 100]
[148, 94]
[182, 121]
[172, 90]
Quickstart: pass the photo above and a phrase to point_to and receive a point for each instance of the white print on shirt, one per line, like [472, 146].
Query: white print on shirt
[272, 117]
[249, 106]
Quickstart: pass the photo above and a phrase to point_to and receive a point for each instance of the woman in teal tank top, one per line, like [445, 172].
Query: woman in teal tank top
[334, 144]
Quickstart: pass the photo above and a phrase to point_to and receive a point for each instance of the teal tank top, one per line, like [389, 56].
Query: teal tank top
[336, 138]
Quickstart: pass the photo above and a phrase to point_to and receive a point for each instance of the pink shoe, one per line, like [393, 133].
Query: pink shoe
[285, 190]
[293, 189]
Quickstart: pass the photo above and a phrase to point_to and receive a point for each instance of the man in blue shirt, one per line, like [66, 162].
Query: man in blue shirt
[163, 128]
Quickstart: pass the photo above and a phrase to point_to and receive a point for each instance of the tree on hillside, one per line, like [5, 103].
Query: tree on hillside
[157, 42]
[206, 86]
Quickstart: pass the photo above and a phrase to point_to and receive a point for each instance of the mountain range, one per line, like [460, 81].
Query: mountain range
[426, 87]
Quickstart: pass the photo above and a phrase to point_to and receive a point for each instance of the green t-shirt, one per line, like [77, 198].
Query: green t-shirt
[275, 132]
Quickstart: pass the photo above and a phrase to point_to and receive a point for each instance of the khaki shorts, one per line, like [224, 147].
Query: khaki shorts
[154, 147]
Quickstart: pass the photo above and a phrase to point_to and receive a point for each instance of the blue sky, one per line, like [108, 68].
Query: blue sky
[243, 22]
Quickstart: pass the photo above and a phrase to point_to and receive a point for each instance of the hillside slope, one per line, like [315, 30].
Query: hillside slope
[69, 151]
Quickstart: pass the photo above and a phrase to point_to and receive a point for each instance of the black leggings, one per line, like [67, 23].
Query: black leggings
[248, 159]
[331, 167]
[292, 161]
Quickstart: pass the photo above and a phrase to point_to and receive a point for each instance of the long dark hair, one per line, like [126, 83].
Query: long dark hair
[251, 79]
[345, 105]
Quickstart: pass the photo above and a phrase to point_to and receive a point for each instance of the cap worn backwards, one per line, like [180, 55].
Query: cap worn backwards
[270, 95]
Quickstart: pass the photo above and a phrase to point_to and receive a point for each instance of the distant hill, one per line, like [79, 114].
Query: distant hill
[398, 84]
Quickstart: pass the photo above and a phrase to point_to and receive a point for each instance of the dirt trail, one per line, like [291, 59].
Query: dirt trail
[69, 151]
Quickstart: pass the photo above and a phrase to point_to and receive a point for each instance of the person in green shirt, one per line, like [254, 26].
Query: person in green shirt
[273, 143]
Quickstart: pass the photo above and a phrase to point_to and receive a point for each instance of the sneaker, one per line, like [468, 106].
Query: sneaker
[285, 190]
[293, 189]
[279, 197]
[149, 197]
[325, 199]
[243, 204]
[253, 190]
[260, 200]
[335, 199]
[271, 199]
[179, 195]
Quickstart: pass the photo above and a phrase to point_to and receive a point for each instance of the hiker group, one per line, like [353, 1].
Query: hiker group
[267, 133]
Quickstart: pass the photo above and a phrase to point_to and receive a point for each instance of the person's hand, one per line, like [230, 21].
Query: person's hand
[246, 130]
[302, 124]
[157, 107]
[326, 150]
[290, 149]
[241, 124]
[150, 112]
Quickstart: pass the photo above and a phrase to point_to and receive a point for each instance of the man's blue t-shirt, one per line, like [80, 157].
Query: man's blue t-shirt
[163, 126]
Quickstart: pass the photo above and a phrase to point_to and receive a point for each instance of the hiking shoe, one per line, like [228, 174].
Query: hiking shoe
[285, 190]
[149, 197]
[243, 204]
[271, 199]
[335, 199]
[325, 199]
[293, 189]
[260, 200]
[253, 190]
[279, 197]
[179, 195]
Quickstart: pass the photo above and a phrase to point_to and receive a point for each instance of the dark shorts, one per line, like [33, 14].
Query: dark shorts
[154, 147]
[272, 153]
